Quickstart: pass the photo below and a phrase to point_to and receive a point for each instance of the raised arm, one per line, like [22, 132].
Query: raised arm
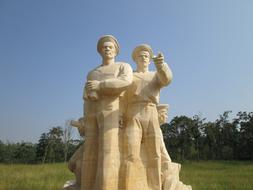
[164, 74]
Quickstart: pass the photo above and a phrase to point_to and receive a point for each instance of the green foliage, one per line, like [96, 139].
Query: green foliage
[42, 146]
[194, 139]
[7, 152]
[25, 153]
[50, 148]
[185, 139]
[245, 146]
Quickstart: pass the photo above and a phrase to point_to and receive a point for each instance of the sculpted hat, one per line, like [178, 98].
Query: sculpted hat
[142, 47]
[108, 38]
[162, 107]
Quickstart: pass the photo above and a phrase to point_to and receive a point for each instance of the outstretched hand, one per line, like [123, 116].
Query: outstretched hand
[159, 60]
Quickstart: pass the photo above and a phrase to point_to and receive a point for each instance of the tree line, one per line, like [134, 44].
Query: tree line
[185, 139]
[224, 139]
[56, 145]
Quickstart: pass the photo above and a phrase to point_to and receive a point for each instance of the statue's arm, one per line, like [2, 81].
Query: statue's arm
[164, 74]
[119, 84]
[79, 125]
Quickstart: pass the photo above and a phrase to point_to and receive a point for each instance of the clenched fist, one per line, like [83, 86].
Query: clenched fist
[159, 60]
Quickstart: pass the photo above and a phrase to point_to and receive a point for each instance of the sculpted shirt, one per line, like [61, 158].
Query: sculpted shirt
[114, 79]
[146, 86]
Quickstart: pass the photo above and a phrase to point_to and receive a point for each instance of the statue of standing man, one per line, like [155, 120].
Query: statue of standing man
[124, 148]
[142, 128]
[103, 88]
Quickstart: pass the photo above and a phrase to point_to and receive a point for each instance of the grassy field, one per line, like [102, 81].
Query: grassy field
[219, 175]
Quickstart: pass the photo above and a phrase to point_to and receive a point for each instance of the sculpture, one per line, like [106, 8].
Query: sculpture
[142, 117]
[124, 148]
[102, 91]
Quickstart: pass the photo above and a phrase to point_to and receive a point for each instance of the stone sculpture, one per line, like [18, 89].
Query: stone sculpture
[124, 147]
[102, 91]
[142, 126]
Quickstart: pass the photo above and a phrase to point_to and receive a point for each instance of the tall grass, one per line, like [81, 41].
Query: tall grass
[34, 177]
[218, 175]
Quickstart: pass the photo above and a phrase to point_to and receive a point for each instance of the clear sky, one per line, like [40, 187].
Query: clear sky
[47, 48]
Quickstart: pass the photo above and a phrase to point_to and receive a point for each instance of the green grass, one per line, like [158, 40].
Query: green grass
[218, 175]
[34, 177]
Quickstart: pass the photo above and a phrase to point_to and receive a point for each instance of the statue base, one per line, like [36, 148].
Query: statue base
[70, 185]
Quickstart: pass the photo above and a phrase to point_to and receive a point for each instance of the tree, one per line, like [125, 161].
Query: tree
[2, 151]
[197, 131]
[178, 137]
[41, 147]
[67, 138]
[25, 153]
[50, 147]
[244, 121]
[55, 148]
[228, 136]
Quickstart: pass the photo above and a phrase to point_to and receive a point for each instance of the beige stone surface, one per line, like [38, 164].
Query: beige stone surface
[108, 81]
[124, 147]
[142, 128]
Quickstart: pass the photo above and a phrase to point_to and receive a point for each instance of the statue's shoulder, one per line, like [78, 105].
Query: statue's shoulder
[152, 73]
[124, 65]
[93, 73]
[121, 63]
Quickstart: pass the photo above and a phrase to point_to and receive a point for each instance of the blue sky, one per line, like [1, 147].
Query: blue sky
[47, 48]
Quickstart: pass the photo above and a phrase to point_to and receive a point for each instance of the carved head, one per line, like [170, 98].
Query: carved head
[108, 46]
[142, 55]
[162, 110]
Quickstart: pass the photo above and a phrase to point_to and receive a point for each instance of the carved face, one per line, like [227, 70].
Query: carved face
[143, 59]
[162, 117]
[108, 50]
